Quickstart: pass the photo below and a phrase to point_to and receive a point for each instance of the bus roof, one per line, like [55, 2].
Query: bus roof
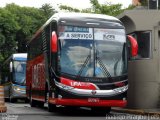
[83, 16]
[76, 16]
[19, 55]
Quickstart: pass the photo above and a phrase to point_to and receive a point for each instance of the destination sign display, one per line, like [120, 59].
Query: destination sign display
[109, 34]
[71, 32]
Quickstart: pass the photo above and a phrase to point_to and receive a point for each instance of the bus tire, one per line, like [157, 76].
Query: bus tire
[51, 107]
[13, 100]
[41, 104]
[31, 101]
[26, 100]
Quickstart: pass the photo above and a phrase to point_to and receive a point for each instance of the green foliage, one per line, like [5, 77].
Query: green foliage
[95, 6]
[130, 7]
[18, 24]
[144, 2]
[68, 8]
[107, 8]
[112, 10]
[87, 10]
[8, 28]
[47, 11]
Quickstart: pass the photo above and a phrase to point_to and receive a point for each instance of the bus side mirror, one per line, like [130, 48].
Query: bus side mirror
[134, 46]
[54, 42]
[11, 66]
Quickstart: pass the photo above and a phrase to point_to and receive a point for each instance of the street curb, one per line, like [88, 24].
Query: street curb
[136, 111]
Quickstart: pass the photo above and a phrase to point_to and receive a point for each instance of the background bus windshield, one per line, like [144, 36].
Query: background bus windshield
[92, 52]
[19, 74]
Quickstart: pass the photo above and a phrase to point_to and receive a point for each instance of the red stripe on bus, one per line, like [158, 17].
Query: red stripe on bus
[85, 102]
[78, 84]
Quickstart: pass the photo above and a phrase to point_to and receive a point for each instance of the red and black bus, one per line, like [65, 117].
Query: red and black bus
[79, 59]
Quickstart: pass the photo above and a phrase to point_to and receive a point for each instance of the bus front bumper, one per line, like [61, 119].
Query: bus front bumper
[90, 102]
[18, 94]
[70, 96]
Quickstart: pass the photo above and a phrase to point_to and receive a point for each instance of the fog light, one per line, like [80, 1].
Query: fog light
[59, 96]
[124, 98]
[53, 95]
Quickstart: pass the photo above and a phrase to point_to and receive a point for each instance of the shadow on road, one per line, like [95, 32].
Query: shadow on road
[78, 112]
[24, 108]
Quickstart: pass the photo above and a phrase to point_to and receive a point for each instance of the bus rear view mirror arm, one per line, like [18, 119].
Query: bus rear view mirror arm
[134, 46]
[11, 68]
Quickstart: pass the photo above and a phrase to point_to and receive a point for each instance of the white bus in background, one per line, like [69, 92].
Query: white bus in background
[13, 77]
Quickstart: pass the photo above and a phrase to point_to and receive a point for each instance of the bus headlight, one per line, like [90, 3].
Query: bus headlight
[121, 89]
[60, 85]
[16, 88]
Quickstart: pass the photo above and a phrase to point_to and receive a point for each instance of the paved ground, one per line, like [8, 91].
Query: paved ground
[23, 111]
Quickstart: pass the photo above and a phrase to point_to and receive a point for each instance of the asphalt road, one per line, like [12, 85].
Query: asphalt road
[23, 111]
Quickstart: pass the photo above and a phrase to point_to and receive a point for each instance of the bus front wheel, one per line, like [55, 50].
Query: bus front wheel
[13, 100]
[51, 107]
[31, 101]
[40, 104]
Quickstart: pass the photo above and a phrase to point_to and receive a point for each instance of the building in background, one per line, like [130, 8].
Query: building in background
[144, 70]
[150, 4]
[136, 2]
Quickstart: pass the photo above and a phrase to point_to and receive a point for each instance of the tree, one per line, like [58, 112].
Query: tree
[47, 10]
[30, 19]
[107, 8]
[18, 24]
[8, 28]
[68, 8]
[144, 2]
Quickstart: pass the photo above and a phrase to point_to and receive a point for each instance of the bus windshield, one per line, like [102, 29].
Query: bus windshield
[92, 52]
[19, 74]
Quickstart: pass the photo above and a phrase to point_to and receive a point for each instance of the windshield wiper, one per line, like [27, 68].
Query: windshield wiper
[24, 81]
[105, 71]
[84, 65]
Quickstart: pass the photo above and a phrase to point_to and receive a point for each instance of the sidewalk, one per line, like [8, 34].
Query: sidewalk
[138, 111]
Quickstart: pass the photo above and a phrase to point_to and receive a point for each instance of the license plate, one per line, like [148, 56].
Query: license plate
[93, 100]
